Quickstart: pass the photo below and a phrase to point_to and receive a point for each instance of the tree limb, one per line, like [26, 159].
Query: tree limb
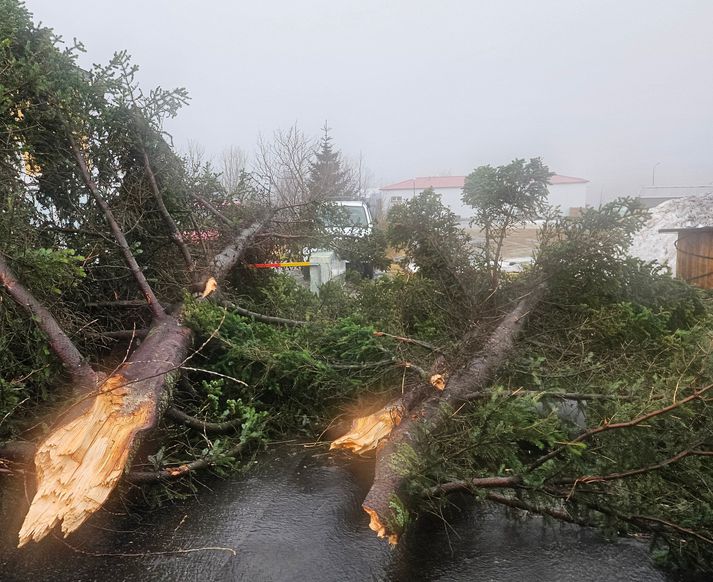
[213, 210]
[261, 317]
[476, 483]
[74, 363]
[516, 503]
[176, 236]
[181, 417]
[614, 426]
[634, 472]
[155, 307]
[168, 474]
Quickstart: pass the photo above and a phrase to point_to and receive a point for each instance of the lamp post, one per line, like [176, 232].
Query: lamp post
[653, 173]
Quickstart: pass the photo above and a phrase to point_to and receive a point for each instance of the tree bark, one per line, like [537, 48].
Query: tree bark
[79, 464]
[74, 363]
[433, 410]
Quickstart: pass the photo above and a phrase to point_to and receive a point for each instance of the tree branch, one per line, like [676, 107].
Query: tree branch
[633, 472]
[261, 317]
[670, 525]
[656, 524]
[213, 210]
[176, 236]
[204, 426]
[614, 426]
[141, 477]
[476, 483]
[155, 307]
[74, 363]
[515, 503]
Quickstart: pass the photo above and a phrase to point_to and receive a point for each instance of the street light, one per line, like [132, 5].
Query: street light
[653, 173]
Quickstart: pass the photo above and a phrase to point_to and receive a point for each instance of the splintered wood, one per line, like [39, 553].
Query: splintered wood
[79, 464]
[380, 529]
[367, 431]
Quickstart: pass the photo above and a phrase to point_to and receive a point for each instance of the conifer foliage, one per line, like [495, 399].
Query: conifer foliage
[330, 178]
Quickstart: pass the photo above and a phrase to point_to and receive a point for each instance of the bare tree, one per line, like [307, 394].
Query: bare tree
[282, 165]
[195, 157]
[363, 176]
[232, 163]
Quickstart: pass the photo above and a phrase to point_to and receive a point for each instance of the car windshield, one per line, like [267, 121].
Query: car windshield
[356, 215]
[349, 216]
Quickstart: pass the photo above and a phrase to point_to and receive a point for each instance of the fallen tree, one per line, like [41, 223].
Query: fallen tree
[79, 463]
[578, 389]
[430, 410]
[598, 414]
[71, 137]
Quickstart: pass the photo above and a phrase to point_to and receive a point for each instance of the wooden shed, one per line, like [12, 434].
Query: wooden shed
[694, 255]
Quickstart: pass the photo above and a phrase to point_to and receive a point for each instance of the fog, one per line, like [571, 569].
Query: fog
[602, 89]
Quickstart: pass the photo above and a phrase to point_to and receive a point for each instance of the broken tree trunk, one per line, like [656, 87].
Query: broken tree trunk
[79, 464]
[367, 432]
[428, 413]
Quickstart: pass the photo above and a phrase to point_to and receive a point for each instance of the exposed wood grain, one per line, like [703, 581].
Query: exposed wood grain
[80, 463]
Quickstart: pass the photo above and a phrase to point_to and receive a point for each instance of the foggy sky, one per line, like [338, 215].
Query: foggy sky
[601, 89]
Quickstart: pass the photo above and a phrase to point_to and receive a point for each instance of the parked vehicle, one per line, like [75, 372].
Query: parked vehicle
[343, 219]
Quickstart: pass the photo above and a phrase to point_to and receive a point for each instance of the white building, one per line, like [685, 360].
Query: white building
[567, 192]
[651, 196]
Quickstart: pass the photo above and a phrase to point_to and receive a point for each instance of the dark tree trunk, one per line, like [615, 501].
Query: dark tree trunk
[430, 412]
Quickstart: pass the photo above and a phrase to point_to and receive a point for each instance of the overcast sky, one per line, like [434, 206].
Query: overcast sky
[601, 89]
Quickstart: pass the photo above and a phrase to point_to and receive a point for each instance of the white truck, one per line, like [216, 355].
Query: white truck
[351, 219]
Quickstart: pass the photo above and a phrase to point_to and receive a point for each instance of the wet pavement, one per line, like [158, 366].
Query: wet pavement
[297, 516]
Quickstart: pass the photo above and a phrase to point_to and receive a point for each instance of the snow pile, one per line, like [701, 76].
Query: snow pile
[691, 212]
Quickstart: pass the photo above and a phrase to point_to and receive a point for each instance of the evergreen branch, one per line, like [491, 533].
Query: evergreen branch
[619, 425]
[557, 514]
[171, 473]
[634, 472]
[213, 210]
[72, 360]
[155, 307]
[476, 483]
[181, 417]
[176, 236]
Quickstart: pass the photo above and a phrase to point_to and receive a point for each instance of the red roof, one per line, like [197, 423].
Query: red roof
[459, 181]
[428, 182]
[560, 179]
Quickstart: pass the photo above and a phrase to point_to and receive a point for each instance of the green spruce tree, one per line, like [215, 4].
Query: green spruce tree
[329, 177]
